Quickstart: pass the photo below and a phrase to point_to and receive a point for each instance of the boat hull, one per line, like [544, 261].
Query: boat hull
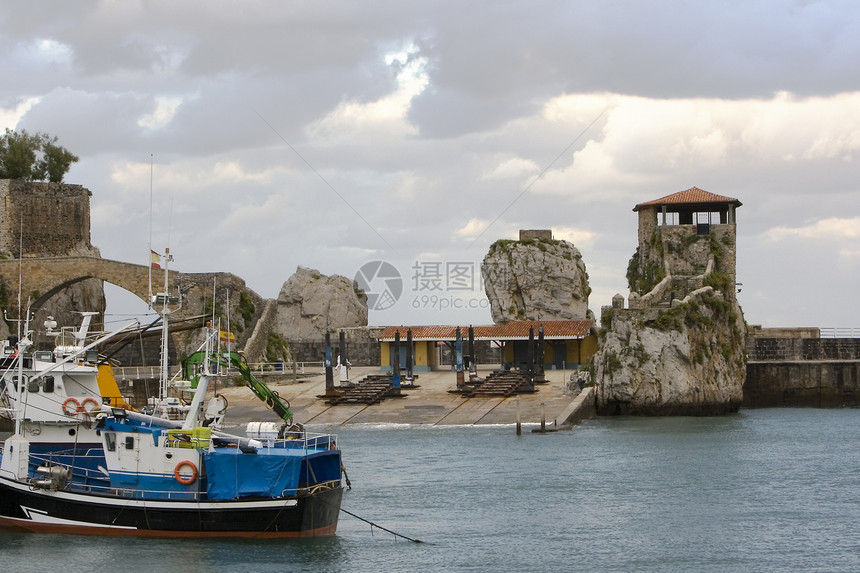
[45, 511]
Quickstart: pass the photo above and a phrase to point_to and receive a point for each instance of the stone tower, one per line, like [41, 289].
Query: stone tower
[684, 238]
[47, 220]
[678, 348]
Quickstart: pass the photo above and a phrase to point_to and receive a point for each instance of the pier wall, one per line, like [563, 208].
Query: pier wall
[795, 371]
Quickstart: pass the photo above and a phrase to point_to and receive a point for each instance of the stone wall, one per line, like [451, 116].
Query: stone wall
[811, 372]
[55, 216]
[791, 349]
[255, 347]
[755, 330]
[47, 220]
[536, 234]
[817, 384]
[362, 345]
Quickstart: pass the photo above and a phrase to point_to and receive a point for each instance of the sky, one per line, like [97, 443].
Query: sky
[396, 141]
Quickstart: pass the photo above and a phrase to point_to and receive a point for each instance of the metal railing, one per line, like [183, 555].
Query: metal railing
[835, 332]
[257, 369]
[264, 368]
[137, 372]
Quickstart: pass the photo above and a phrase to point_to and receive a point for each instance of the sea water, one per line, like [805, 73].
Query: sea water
[763, 490]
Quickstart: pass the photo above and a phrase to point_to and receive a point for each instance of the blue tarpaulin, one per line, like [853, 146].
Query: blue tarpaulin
[232, 474]
[324, 466]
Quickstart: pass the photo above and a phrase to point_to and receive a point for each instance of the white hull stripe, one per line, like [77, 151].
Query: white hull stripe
[39, 516]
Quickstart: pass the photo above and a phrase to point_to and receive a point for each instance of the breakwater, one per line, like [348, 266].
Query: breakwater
[797, 368]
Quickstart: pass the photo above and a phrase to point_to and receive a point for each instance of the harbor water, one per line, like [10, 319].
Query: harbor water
[763, 490]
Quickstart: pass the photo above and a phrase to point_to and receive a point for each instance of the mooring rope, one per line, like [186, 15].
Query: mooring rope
[380, 527]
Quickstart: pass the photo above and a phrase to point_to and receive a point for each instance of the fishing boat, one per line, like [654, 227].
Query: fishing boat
[82, 461]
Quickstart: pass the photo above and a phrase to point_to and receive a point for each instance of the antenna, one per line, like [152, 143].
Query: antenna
[149, 300]
[20, 268]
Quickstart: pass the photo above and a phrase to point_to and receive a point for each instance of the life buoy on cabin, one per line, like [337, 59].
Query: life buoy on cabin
[92, 411]
[71, 406]
[185, 479]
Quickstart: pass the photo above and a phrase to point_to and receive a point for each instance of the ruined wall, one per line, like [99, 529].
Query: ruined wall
[536, 234]
[47, 219]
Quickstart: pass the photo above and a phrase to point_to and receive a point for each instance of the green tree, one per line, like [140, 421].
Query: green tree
[18, 154]
[33, 157]
[56, 160]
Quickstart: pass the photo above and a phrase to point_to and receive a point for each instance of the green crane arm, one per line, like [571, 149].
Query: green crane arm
[273, 401]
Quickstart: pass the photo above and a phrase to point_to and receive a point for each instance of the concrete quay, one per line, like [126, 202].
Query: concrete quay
[429, 403]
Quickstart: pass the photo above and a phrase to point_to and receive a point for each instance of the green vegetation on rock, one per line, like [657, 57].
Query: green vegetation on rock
[642, 278]
[33, 157]
[277, 348]
[246, 307]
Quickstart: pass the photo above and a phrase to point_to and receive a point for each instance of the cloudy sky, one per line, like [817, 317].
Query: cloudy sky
[331, 134]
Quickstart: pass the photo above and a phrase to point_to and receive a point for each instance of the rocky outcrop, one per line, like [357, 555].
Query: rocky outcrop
[535, 279]
[222, 298]
[311, 304]
[685, 360]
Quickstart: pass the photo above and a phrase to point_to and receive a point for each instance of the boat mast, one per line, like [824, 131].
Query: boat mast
[23, 344]
[192, 419]
[164, 312]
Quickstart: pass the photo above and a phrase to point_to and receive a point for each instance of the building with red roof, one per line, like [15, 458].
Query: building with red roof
[685, 236]
[567, 343]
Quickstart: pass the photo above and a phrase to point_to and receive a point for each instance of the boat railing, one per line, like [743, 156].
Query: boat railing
[308, 441]
[135, 493]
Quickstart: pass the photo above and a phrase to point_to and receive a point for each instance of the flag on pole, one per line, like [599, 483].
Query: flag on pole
[154, 260]
[227, 336]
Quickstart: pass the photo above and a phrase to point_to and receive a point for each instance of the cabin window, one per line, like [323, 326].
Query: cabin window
[33, 386]
[110, 441]
[48, 384]
[129, 442]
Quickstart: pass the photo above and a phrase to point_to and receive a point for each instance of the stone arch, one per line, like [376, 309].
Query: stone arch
[47, 276]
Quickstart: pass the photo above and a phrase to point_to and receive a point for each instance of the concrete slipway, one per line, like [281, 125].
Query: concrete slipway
[430, 403]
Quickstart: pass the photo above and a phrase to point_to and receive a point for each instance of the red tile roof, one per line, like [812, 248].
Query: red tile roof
[516, 330]
[692, 195]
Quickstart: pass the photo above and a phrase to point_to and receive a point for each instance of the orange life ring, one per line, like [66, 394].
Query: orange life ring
[83, 406]
[71, 402]
[185, 480]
